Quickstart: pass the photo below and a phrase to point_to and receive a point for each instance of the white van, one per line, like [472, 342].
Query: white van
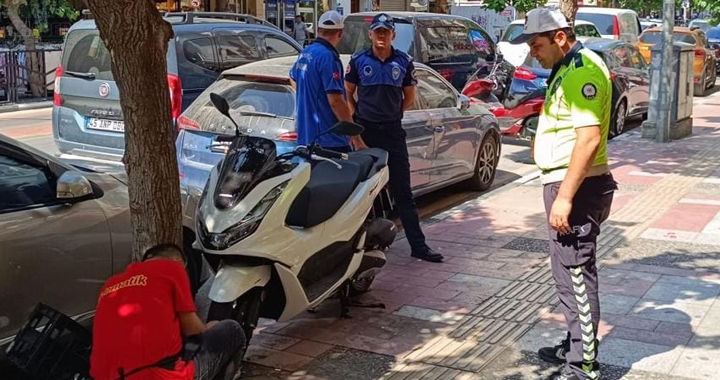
[614, 23]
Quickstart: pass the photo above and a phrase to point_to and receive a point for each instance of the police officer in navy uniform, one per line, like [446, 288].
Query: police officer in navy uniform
[320, 92]
[384, 79]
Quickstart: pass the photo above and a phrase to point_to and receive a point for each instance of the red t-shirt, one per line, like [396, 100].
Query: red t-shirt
[136, 322]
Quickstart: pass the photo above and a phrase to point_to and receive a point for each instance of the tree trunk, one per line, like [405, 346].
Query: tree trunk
[137, 38]
[569, 9]
[36, 76]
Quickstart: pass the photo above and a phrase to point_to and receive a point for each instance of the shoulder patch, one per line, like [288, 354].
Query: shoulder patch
[589, 91]
[414, 74]
[347, 69]
[578, 61]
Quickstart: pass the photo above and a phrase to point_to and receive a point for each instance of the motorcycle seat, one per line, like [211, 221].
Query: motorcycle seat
[327, 190]
[379, 159]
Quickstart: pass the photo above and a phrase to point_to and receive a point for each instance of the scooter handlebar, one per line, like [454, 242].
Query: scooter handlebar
[330, 153]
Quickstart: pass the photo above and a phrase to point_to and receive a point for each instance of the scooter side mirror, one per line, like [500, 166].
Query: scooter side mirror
[220, 104]
[224, 108]
[348, 128]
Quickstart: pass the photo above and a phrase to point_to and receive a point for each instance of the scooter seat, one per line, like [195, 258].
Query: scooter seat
[379, 160]
[327, 190]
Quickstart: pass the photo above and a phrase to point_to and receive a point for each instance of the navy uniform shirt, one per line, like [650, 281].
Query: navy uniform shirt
[380, 84]
[317, 72]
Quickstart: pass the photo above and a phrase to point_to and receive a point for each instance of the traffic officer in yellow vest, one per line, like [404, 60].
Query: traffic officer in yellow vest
[571, 151]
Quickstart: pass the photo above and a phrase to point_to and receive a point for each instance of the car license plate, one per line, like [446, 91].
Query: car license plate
[106, 125]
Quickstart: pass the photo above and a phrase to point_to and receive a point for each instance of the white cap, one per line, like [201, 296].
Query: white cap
[541, 20]
[330, 20]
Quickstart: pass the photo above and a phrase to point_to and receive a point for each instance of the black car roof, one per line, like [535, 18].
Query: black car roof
[407, 15]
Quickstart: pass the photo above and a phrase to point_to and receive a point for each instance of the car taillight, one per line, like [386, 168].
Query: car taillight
[446, 73]
[57, 99]
[175, 95]
[616, 27]
[184, 122]
[289, 136]
[700, 53]
[524, 74]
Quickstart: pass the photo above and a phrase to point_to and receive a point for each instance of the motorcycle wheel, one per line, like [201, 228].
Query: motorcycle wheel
[360, 286]
[529, 127]
[245, 310]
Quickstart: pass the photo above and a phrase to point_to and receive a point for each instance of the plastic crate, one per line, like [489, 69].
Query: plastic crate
[51, 346]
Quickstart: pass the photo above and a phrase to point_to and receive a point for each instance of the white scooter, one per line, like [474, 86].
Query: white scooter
[291, 230]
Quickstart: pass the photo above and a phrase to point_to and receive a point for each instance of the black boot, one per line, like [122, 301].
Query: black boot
[556, 355]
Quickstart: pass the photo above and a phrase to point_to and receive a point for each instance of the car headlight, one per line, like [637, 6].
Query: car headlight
[242, 229]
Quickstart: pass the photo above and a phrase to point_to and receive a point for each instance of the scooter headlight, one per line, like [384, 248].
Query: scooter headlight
[246, 226]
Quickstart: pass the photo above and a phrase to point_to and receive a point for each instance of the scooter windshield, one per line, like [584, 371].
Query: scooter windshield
[248, 162]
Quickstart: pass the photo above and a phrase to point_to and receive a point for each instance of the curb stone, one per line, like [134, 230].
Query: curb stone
[26, 106]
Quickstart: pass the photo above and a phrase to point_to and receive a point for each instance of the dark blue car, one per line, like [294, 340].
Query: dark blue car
[713, 35]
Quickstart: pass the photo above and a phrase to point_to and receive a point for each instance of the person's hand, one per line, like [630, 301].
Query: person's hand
[560, 215]
[210, 324]
[358, 143]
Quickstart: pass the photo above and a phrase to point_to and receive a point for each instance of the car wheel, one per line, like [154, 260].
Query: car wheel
[700, 87]
[619, 118]
[486, 165]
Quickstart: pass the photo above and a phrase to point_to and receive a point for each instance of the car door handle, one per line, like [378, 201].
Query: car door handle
[439, 129]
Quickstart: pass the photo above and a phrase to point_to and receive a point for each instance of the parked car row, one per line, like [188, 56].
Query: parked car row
[705, 66]
[84, 205]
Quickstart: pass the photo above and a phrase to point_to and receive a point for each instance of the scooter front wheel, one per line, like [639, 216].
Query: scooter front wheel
[245, 310]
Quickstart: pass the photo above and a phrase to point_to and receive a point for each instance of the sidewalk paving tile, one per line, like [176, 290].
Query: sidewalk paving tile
[638, 355]
[699, 360]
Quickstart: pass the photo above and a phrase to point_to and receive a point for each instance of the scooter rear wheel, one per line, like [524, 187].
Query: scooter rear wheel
[360, 286]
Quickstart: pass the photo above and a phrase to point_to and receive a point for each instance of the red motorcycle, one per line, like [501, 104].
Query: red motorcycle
[518, 116]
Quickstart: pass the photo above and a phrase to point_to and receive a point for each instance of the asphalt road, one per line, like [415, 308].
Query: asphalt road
[33, 127]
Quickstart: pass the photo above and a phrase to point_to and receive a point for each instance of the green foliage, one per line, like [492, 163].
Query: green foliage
[521, 6]
[40, 10]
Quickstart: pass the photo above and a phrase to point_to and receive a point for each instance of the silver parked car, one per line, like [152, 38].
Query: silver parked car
[449, 139]
[64, 229]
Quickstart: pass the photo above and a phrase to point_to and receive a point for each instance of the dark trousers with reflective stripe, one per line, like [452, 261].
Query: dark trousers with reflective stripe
[573, 261]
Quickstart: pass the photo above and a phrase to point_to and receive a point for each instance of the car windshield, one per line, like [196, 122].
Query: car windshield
[604, 23]
[246, 98]
[356, 38]
[653, 38]
[512, 31]
[713, 33]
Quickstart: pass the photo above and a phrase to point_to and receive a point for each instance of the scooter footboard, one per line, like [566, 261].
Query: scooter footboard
[232, 281]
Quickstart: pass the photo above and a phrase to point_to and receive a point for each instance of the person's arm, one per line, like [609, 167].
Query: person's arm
[409, 86]
[190, 324]
[350, 89]
[339, 107]
[352, 79]
[334, 88]
[588, 99]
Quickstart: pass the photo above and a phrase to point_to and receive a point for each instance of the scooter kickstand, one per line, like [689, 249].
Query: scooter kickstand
[346, 302]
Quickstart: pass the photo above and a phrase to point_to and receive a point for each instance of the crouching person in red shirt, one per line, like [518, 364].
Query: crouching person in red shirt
[146, 316]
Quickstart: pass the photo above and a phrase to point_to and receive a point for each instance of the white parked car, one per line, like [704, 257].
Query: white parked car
[516, 54]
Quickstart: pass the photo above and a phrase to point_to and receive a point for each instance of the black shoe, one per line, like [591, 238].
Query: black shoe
[556, 355]
[428, 254]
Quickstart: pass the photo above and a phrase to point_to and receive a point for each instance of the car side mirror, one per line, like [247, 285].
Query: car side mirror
[464, 102]
[73, 186]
